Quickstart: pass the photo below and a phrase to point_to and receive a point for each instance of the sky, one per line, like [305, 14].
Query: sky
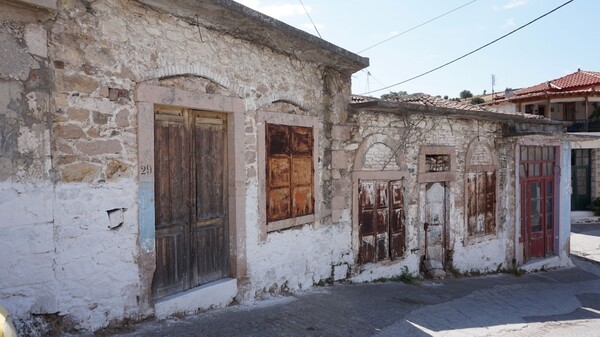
[553, 46]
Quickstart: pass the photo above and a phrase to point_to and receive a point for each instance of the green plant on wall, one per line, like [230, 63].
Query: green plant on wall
[595, 206]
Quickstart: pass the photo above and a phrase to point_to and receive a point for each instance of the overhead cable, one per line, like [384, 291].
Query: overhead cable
[311, 20]
[415, 27]
[471, 52]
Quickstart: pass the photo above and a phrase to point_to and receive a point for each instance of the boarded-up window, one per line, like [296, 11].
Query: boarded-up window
[481, 203]
[290, 190]
[481, 190]
[381, 220]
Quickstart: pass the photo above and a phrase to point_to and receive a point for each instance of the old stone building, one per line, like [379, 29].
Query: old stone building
[133, 146]
[168, 157]
[437, 185]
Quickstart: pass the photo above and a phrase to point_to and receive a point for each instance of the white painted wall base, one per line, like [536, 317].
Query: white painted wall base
[213, 295]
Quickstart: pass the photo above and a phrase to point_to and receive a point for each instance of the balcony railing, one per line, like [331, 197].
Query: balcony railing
[585, 125]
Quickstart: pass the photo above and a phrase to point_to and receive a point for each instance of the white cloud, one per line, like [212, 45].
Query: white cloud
[509, 23]
[515, 3]
[277, 11]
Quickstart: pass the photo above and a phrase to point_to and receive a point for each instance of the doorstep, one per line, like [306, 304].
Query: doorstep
[547, 263]
[216, 294]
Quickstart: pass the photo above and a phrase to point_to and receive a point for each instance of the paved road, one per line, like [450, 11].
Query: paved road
[554, 303]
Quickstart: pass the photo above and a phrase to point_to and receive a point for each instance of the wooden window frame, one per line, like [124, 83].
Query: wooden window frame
[565, 114]
[428, 177]
[289, 148]
[264, 118]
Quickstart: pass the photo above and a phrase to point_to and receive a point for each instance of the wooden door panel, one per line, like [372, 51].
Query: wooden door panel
[170, 261]
[209, 160]
[435, 218]
[172, 182]
[490, 202]
[172, 179]
[397, 216]
[208, 236]
[208, 252]
[381, 220]
[367, 222]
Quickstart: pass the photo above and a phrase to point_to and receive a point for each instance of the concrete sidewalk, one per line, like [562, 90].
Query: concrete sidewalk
[553, 303]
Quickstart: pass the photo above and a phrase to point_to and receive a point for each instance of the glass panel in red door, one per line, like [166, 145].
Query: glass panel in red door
[535, 217]
[549, 211]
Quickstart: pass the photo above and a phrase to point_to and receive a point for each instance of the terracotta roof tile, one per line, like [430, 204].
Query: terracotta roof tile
[428, 100]
[425, 99]
[576, 80]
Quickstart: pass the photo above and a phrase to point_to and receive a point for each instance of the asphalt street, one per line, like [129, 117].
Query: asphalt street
[563, 302]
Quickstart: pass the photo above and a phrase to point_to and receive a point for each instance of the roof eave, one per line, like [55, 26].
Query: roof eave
[242, 22]
[396, 107]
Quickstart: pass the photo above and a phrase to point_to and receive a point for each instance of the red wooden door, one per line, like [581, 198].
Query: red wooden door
[190, 200]
[537, 172]
[381, 220]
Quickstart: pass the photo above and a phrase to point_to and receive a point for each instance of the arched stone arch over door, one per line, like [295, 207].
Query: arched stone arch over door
[378, 212]
[480, 189]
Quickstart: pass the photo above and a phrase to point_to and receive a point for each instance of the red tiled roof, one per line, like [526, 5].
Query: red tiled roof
[577, 80]
[545, 94]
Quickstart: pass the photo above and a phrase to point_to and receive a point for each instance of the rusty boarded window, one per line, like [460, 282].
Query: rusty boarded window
[481, 202]
[289, 171]
[381, 220]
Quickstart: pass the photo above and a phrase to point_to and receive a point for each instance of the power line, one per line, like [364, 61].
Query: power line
[471, 52]
[415, 27]
[311, 20]
[371, 75]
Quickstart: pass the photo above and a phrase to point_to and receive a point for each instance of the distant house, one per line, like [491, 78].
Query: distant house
[573, 98]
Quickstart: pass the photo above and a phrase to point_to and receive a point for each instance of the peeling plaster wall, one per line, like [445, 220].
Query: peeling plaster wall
[68, 145]
[408, 133]
[28, 282]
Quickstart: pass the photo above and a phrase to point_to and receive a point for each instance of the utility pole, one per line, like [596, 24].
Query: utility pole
[493, 84]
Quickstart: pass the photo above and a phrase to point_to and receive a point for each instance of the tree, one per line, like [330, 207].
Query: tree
[393, 94]
[465, 94]
[445, 96]
[477, 100]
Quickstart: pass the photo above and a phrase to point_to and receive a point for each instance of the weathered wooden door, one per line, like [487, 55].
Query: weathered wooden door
[536, 169]
[381, 220]
[435, 222]
[190, 199]
[581, 168]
